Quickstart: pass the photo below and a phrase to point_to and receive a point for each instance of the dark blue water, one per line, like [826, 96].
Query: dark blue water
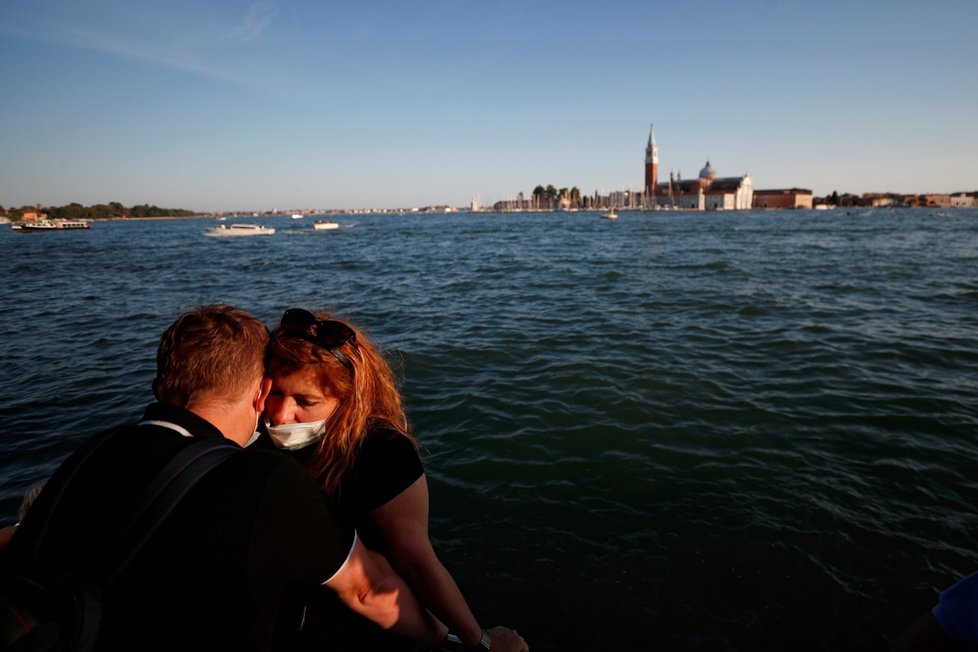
[722, 431]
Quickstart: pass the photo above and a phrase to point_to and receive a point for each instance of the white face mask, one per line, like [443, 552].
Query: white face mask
[293, 436]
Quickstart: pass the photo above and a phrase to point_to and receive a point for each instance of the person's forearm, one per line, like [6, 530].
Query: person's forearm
[370, 587]
[438, 591]
[392, 605]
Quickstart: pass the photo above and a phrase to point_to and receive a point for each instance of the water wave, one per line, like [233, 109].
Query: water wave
[711, 431]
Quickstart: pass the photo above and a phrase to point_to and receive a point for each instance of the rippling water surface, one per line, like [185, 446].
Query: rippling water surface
[673, 431]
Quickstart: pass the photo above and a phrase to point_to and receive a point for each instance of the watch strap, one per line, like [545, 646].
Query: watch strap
[485, 643]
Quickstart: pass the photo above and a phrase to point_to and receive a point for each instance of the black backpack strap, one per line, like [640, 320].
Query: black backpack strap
[66, 611]
[161, 497]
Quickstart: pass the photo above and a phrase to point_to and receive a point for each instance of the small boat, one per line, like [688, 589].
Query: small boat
[610, 215]
[325, 225]
[239, 230]
[297, 216]
[37, 226]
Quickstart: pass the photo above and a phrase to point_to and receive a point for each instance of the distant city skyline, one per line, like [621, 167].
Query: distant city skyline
[292, 103]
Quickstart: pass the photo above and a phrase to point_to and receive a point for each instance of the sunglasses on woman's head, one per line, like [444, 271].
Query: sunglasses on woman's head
[327, 334]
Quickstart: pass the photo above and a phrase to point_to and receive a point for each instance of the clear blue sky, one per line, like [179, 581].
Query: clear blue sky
[302, 103]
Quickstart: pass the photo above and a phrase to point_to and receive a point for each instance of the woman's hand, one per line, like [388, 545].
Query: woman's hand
[507, 640]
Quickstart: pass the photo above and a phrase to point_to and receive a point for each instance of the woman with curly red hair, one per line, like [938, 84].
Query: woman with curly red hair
[334, 404]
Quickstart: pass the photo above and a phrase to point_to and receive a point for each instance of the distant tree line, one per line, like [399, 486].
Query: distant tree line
[867, 199]
[75, 211]
[547, 197]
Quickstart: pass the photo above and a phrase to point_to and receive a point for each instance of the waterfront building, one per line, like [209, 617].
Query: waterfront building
[941, 200]
[707, 192]
[963, 200]
[783, 198]
[878, 200]
[938, 200]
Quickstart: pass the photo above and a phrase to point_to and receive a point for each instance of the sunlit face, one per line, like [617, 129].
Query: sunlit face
[298, 398]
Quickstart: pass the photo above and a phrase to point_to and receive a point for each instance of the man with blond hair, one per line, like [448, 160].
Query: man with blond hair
[226, 569]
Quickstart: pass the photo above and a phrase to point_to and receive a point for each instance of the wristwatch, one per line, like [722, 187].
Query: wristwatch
[485, 643]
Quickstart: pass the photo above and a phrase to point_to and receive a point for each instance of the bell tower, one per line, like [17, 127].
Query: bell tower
[651, 164]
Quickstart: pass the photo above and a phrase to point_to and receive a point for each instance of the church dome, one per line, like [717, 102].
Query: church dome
[708, 172]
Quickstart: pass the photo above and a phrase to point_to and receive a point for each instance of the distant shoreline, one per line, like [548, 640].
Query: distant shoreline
[5, 219]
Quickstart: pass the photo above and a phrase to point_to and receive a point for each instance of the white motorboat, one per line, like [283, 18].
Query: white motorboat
[226, 231]
[325, 225]
[610, 215]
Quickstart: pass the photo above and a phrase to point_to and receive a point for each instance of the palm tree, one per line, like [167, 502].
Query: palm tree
[538, 194]
[551, 195]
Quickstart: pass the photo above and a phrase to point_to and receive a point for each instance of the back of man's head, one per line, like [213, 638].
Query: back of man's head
[212, 352]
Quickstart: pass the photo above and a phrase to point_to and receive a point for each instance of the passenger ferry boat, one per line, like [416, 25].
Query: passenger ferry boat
[37, 226]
